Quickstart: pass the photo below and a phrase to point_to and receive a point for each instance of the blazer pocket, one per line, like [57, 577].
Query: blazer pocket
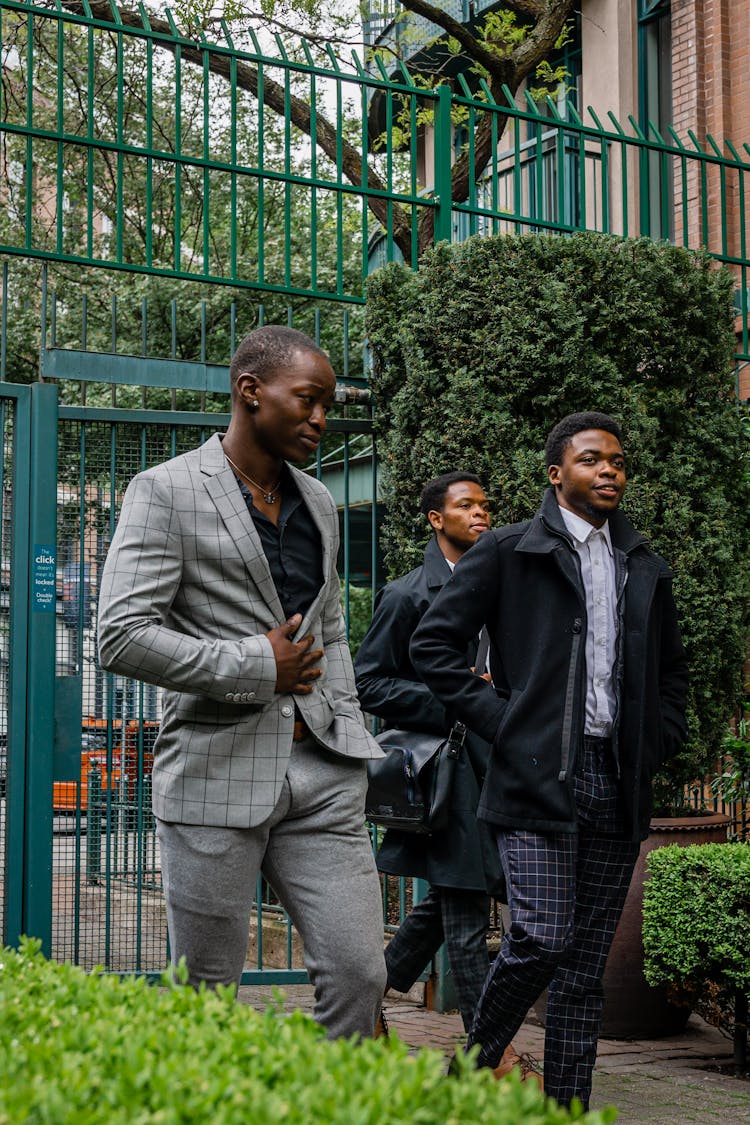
[319, 708]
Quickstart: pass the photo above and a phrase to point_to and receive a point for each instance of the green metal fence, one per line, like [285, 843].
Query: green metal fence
[160, 195]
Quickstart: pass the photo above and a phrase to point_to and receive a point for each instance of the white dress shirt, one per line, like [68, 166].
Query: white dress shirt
[594, 548]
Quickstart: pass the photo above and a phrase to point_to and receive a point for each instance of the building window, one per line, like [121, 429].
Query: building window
[655, 109]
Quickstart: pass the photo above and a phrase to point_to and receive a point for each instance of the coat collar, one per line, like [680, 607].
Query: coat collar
[436, 569]
[547, 531]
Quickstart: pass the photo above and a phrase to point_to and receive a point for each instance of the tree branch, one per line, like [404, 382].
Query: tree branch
[543, 35]
[459, 31]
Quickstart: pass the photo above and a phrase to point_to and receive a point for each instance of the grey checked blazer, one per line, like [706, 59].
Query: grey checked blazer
[186, 600]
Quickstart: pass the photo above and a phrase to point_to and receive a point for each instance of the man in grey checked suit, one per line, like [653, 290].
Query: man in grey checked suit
[221, 587]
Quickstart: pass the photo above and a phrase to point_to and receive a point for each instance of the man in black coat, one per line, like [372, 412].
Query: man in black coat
[460, 862]
[587, 700]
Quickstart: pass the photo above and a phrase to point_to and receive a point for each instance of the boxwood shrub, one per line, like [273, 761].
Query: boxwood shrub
[696, 920]
[78, 1049]
[495, 339]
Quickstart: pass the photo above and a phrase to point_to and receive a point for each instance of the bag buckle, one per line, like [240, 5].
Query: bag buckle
[456, 740]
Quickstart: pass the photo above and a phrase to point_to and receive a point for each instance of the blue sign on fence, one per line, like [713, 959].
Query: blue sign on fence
[44, 578]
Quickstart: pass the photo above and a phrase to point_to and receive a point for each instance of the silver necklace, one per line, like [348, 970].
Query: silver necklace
[269, 496]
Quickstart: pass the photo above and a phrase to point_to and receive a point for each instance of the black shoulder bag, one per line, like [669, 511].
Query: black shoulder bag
[410, 788]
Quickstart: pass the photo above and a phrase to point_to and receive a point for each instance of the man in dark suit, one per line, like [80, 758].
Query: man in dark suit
[588, 698]
[460, 862]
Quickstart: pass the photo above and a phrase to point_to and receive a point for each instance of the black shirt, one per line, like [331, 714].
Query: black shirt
[293, 549]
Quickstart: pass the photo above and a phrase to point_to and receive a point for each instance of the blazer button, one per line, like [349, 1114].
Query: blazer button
[229, 697]
[251, 695]
[237, 697]
[287, 711]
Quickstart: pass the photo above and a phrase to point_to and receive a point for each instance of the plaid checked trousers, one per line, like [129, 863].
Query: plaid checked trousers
[461, 920]
[565, 895]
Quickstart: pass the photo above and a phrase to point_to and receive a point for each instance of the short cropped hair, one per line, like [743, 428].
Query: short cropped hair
[560, 436]
[434, 492]
[268, 348]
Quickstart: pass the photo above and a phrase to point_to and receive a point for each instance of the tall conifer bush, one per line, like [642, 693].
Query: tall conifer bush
[479, 354]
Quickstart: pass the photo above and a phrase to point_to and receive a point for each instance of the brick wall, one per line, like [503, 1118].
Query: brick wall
[711, 96]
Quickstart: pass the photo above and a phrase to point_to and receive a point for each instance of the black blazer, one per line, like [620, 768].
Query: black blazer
[464, 855]
[523, 582]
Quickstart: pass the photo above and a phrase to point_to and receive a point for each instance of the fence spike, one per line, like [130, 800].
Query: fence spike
[307, 51]
[116, 13]
[405, 74]
[573, 113]
[595, 119]
[281, 47]
[332, 56]
[227, 33]
[381, 67]
[465, 86]
[656, 132]
[144, 17]
[553, 109]
[361, 70]
[733, 150]
[487, 92]
[172, 24]
[714, 146]
[256, 45]
[675, 138]
[619, 129]
[636, 128]
[87, 10]
[696, 142]
[511, 100]
[533, 107]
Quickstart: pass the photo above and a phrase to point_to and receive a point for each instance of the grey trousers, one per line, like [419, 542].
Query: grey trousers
[316, 853]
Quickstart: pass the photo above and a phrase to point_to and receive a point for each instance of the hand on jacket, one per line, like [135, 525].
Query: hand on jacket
[295, 660]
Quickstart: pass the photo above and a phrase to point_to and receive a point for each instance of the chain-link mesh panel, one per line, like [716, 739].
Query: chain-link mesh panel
[108, 906]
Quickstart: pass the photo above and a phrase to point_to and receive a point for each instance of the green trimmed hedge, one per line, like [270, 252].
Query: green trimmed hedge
[78, 1049]
[494, 340]
[696, 918]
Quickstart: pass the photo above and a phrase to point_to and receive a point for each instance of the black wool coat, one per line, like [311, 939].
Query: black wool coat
[464, 855]
[523, 582]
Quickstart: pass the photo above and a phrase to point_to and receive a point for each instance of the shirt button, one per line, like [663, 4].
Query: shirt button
[286, 711]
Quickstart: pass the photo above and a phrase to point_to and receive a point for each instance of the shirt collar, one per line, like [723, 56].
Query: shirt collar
[581, 529]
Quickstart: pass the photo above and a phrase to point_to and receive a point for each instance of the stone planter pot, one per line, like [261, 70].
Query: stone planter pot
[632, 1008]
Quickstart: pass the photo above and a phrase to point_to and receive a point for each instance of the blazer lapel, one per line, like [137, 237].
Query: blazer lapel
[221, 485]
[319, 508]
